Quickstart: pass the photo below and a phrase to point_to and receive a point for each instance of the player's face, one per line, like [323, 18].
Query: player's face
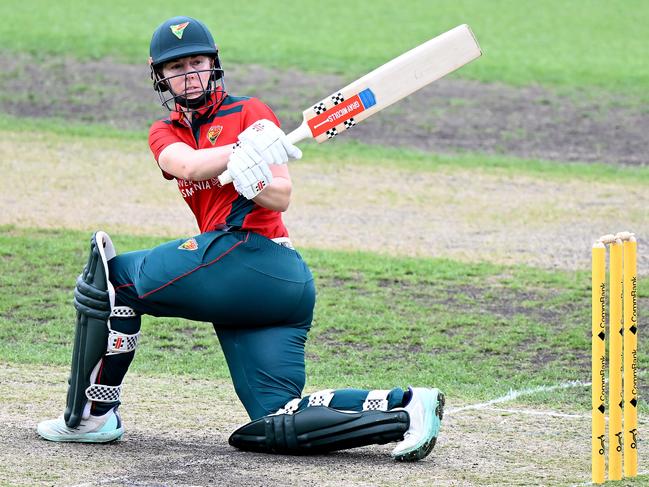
[188, 76]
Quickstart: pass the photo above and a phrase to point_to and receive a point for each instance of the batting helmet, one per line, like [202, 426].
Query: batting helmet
[180, 37]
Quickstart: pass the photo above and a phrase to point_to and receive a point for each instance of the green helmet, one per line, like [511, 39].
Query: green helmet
[180, 37]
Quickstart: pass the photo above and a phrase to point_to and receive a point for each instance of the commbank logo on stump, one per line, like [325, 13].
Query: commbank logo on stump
[178, 29]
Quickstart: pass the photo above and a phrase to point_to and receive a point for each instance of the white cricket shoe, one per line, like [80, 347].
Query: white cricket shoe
[95, 429]
[426, 408]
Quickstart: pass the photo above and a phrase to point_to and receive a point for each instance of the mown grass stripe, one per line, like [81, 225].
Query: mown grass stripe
[576, 44]
[350, 152]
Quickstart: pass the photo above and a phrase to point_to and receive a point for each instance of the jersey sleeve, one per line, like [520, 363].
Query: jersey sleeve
[161, 136]
[255, 110]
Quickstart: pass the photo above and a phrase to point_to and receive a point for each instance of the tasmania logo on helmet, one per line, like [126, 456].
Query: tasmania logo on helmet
[178, 29]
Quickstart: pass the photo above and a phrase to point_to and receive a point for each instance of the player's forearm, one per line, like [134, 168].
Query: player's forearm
[207, 163]
[184, 162]
[276, 196]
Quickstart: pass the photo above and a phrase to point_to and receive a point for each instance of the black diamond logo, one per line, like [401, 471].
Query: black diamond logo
[621, 404]
[601, 408]
[601, 335]
[633, 329]
[634, 402]
[621, 331]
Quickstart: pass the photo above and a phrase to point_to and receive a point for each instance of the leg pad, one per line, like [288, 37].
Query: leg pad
[319, 429]
[93, 303]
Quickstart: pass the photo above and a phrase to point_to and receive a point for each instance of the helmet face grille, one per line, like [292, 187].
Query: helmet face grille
[180, 103]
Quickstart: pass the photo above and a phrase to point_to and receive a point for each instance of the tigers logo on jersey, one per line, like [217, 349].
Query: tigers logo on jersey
[178, 29]
[213, 133]
[190, 244]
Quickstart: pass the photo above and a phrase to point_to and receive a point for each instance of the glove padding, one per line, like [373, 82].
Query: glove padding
[249, 170]
[270, 141]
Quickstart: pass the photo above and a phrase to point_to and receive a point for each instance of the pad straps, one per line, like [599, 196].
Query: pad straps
[376, 400]
[103, 393]
[119, 342]
[321, 398]
[290, 407]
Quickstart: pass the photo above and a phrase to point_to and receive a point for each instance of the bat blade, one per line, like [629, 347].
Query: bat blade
[386, 85]
[391, 82]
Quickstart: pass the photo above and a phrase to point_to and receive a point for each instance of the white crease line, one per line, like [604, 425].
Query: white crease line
[557, 414]
[511, 395]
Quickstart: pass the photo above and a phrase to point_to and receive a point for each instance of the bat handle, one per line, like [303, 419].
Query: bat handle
[297, 135]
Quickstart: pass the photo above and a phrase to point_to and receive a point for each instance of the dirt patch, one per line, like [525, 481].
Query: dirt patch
[181, 439]
[449, 116]
[495, 301]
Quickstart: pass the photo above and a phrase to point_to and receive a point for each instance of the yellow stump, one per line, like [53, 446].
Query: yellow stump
[616, 330]
[630, 359]
[599, 360]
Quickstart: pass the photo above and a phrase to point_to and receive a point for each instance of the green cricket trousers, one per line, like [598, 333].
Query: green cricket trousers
[258, 295]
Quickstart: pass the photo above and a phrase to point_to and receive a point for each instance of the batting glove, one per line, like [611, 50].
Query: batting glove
[249, 170]
[270, 141]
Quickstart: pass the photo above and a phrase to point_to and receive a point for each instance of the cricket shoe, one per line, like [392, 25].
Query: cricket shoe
[425, 408]
[95, 429]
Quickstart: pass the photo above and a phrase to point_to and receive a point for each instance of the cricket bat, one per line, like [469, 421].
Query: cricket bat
[384, 86]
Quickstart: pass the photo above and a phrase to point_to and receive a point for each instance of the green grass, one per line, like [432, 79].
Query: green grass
[67, 128]
[59, 126]
[475, 330]
[574, 44]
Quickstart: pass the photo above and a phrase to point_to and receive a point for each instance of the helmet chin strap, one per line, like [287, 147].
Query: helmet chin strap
[192, 103]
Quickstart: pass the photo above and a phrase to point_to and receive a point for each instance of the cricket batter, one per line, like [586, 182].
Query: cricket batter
[241, 274]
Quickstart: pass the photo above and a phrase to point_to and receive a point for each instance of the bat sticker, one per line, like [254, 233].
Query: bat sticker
[342, 112]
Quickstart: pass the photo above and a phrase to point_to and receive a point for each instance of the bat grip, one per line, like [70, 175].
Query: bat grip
[297, 135]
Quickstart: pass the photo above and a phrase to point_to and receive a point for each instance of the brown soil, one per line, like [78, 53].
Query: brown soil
[180, 439]
[448, 116]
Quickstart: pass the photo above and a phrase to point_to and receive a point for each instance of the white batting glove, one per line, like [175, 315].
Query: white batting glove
[270, 141]
[249, 170]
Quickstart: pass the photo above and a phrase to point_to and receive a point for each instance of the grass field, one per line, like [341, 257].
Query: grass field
[572, 44]
[473, 316]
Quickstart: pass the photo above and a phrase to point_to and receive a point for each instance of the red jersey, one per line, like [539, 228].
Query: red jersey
[214, 205]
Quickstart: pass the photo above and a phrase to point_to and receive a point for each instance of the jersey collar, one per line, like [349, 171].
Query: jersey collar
[178, 116]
